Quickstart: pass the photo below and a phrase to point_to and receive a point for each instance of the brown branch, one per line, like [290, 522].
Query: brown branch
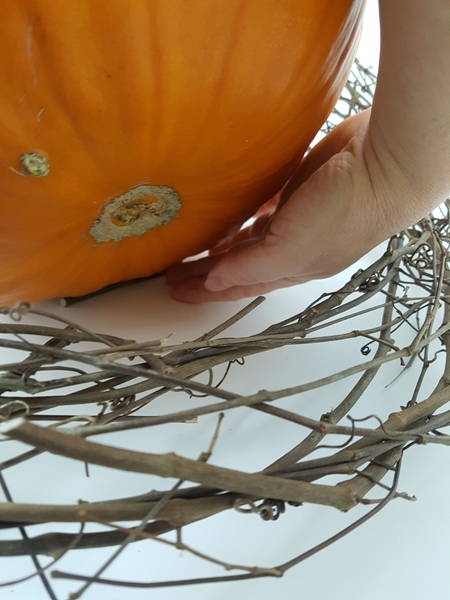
[177, 512]
[171, 465]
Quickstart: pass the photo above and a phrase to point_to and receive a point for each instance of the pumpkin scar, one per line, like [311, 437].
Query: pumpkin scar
[34, 164]
[136, 212]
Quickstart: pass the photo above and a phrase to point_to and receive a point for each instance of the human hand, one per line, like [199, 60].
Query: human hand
[334, 209]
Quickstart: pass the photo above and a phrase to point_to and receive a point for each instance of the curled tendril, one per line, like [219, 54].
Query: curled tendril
[269, 509]
[124, 401]
[366, 350]
[16, 312]
[6, 408]
[371, 283]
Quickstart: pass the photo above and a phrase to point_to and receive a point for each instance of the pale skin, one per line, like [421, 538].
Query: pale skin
[375, 174]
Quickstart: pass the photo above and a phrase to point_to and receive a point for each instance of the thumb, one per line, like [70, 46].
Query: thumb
[247, 266]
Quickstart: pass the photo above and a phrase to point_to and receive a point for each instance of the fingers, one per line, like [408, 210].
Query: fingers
[260, 262]
[242, 272]
[192, 269]
[254, 261]
[194, 291]
[238, 241]
[246, 236]
[269, 207]
[237, 275]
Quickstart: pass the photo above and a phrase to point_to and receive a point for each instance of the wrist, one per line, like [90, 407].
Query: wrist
[409, 134]
[407, 184]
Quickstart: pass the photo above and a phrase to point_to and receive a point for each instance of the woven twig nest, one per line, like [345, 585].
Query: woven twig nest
[73, 392]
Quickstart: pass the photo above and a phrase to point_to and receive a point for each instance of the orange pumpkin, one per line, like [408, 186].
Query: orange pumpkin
[136, 133]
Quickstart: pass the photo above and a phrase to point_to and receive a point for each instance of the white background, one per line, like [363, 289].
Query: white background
[402, 553]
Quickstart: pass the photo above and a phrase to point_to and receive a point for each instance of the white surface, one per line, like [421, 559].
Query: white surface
[402, 553]
[369, 47]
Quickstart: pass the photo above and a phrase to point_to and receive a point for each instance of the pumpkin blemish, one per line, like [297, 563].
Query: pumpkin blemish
[136, 212]
[34, 164]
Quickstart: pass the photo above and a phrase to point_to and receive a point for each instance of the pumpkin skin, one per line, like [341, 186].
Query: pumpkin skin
[213, 101]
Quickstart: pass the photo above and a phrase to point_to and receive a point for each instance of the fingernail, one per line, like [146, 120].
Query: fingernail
[215, 284]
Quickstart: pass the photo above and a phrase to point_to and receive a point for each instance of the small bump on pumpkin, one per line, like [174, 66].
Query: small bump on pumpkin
[136, 212]
[34, 164]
